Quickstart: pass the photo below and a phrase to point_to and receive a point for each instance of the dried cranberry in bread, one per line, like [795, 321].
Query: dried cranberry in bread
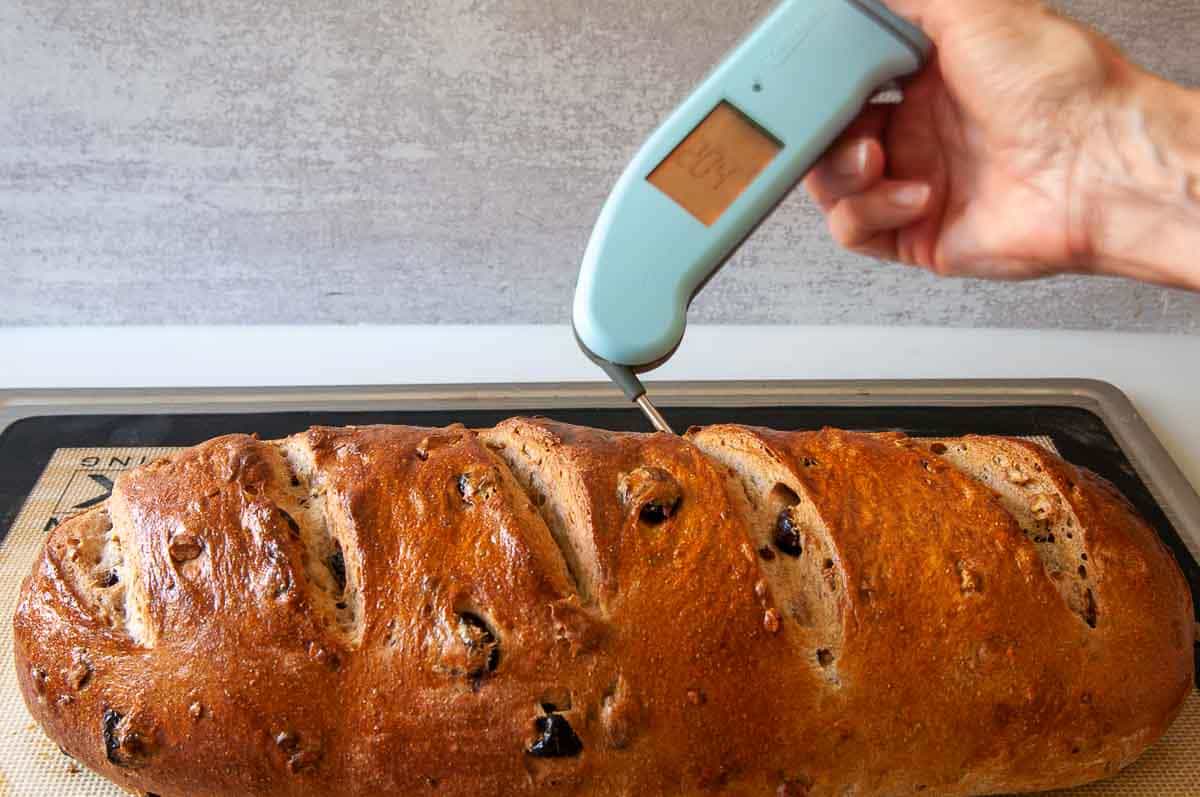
[545, 609]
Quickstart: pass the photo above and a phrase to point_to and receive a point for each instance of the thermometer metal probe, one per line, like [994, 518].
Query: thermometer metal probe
[720, 165]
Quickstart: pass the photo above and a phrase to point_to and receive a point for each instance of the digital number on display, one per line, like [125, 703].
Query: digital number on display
[716, 163]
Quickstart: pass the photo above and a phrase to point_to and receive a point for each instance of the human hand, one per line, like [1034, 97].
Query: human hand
[975, 173]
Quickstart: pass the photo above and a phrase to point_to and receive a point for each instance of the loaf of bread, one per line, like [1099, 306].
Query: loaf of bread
[545, 609]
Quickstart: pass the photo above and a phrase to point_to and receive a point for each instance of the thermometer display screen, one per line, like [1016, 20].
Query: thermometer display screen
[716, 163]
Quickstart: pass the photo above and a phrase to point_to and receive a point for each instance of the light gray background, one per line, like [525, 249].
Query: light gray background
[392, 161]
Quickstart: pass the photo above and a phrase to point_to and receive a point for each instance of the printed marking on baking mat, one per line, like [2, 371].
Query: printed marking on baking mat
[79, 478]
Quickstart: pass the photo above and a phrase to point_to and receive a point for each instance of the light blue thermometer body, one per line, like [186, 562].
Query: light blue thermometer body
[798, 80]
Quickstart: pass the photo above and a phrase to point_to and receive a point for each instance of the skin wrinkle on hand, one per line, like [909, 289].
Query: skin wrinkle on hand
[1170, 166]
[1156, 186]
[1142, 133]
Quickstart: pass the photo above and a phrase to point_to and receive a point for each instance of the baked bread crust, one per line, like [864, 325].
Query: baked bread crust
[540, 608]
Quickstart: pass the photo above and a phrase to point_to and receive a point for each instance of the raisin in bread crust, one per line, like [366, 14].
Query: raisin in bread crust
[545, 609]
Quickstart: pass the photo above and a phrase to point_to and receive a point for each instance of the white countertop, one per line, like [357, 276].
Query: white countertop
[1160, 373]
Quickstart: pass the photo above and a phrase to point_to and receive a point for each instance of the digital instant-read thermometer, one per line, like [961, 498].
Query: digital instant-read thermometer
[718, 167]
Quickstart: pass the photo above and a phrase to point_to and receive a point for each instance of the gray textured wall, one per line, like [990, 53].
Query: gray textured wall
[298, 161]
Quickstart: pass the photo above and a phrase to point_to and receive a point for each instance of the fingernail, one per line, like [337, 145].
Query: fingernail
[852, 161]
[911, 196]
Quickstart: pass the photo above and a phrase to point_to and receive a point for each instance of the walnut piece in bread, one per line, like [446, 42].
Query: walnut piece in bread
[547, 609]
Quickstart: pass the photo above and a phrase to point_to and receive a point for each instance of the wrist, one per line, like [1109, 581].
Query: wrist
[1136, 196]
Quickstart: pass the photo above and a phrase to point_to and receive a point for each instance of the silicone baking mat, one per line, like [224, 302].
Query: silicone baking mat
[77, 478]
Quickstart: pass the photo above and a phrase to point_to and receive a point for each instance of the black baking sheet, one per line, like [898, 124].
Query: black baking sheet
[1080, 435]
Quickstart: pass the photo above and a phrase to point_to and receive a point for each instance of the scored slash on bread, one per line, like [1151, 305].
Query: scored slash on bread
[560, 494]
[542, 608]
[1034, 491]
[798, 558]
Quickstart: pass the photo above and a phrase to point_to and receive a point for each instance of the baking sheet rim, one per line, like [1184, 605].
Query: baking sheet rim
[1162, 476]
